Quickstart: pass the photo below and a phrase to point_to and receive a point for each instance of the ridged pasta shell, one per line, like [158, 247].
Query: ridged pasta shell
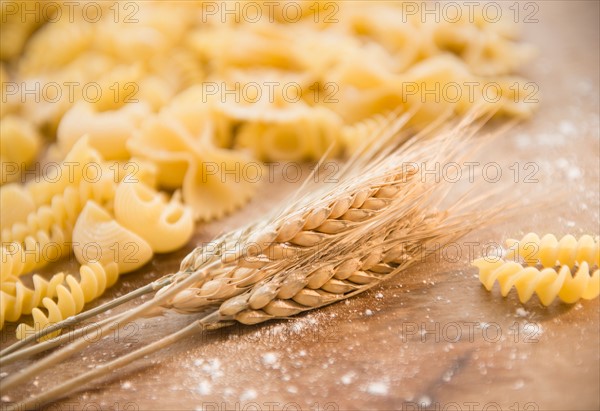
[108, 131]
[98, 237]
[166, 226]
[15, 205]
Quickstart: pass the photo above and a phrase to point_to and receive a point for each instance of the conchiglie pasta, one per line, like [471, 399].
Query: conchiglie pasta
[15, 205]
[165, 225]
[107, 131]
[20, 144]
[98, 237]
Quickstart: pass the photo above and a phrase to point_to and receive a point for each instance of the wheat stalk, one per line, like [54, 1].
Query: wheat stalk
[343, 239]
[316, 221]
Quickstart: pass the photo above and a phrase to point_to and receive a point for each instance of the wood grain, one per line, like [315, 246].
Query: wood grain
[432, 338]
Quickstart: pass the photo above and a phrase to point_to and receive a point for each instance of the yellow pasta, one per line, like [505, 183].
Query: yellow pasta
[303, 134]
[165, 225]
[548, 284]
[69, 172]
[98, 237]
[550, 252]
[45, 234]
[19, 146]
[94, 280]
[213, 181]
[15, 205]
[16, 299]
[174, 108]
[107, 131]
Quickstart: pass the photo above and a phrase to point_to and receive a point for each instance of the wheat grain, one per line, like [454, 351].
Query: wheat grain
[327, 216]
[329, 245]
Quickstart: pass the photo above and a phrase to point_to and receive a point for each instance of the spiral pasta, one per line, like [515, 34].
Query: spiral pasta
[17, 299]
[68, 172]
[547, 283]
[549, 252]
[94, 280]
[45, 235]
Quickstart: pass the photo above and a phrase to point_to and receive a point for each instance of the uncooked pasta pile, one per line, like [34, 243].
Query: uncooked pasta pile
[123, 123]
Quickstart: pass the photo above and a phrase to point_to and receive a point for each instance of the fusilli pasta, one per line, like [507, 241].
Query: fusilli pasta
[547, 283]
[550, 252]
[94, 280]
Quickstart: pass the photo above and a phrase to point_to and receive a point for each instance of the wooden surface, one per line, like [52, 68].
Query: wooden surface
[432, 338]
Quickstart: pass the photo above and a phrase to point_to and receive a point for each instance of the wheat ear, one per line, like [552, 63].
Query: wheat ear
[358, 266]
[314, 221]
[381, 175]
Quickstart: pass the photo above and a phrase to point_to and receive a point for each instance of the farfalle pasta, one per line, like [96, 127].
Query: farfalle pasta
[202, 170]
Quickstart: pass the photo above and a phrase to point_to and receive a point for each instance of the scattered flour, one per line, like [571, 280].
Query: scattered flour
[270, 359]
[521, 312]
[205, 387]
[378, 388]
[248, 395]
[348, 378]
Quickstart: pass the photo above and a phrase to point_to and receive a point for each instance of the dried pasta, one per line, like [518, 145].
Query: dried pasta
[550, 252]
[98, 237]
[18, 300]
[94, 280]
[156, 114]
[20, 144]
[45, 234]
[197, 166]
[543, 266]
[107, 131]
[165, 225]
[547, 283]
[16, 204]
[69, 172]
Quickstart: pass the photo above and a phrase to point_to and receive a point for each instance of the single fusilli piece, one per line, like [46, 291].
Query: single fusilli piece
[550, 252]
[17, 299]
[94, 280]
[547, 283]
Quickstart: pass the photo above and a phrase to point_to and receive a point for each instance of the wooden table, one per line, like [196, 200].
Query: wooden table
[432, 338]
